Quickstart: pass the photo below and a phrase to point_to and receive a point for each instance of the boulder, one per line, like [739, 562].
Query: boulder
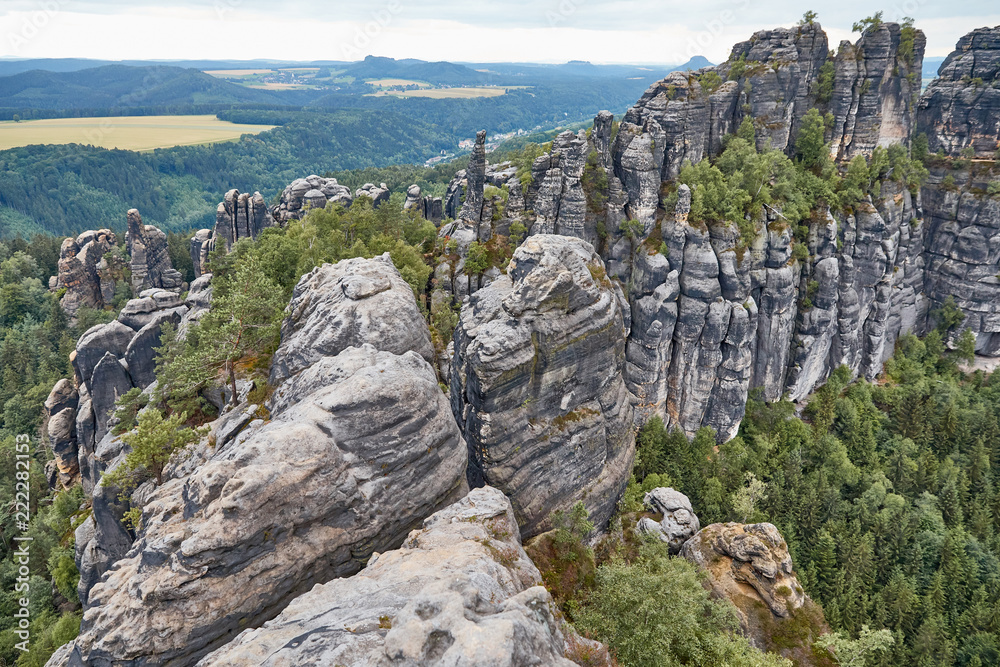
[360, 461]
[537, 383]
[460, 591]
[749, 565]
[679, 522]
[353, 302]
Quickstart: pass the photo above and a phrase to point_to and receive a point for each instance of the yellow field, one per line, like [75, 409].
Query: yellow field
[135, 133]
[444, 93]
[236, 72]
[385, 83]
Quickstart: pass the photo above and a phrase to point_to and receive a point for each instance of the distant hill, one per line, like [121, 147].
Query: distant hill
[697, 62]
[440, 73]
[112, 86]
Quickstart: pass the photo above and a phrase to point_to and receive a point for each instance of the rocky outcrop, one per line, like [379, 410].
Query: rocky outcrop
[238, 216]
[353, 302]
[960, 107]
[112, 358]
[430, 208]
[749, 565]
[84, 272]
[460, 591]
[958, 115]
[150, 259]
[876, 89]
[60, 426]
[307, 193]
[379, 194]
[475, 175]
[537, 383]
[678, 524]
[369, 448]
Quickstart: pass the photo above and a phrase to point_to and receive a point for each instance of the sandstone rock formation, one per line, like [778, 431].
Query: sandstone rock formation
[368, 449]
[307, 193]
[460, 591]
[429, 208]
[353, 302]
[84, 273]
[958, 114]
[60, 427]
[379, 194]
[710, 319]
[150, 258]
[679, 522]
[960, 107]
[749, 565]
[537, 383]
[239, 216]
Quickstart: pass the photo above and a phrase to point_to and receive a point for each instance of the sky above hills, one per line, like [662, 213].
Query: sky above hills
[601, 31]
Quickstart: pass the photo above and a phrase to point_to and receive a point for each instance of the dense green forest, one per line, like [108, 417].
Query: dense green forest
[70, 188]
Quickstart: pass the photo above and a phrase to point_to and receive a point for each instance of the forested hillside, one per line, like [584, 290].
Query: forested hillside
[66, 189]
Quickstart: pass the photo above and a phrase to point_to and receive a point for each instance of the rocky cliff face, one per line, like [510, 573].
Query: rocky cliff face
[958, 115]
[84, 273]
[368, 449]
[150, 259]
[960, 107]
[709, 320]
[538, 384]
[460, 591]
[243, 216]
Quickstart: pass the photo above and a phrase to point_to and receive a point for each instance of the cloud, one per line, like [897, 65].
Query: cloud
[648, 31]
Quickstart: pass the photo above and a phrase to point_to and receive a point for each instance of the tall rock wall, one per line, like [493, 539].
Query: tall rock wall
[150, 259]
[958, 114]
[538, 385]
[242, 216]
[709, 319]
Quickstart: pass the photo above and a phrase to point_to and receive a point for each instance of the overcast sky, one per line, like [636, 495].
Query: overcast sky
[601, 31]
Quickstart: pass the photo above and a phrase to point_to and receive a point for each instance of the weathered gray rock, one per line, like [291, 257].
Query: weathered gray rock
[83, 272]
[472, 208]
[537, 383]
[60, 427]
[238, 216]
[460, 591]
[113, 337]
[679, 522]
[962, 228]
[875, 91]
[101, 540]
[363, 459]
[379, 194]
[957, 111]
[313, 191]
[353, 302]
[140, 355]
[150, 259]
[108, 383]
